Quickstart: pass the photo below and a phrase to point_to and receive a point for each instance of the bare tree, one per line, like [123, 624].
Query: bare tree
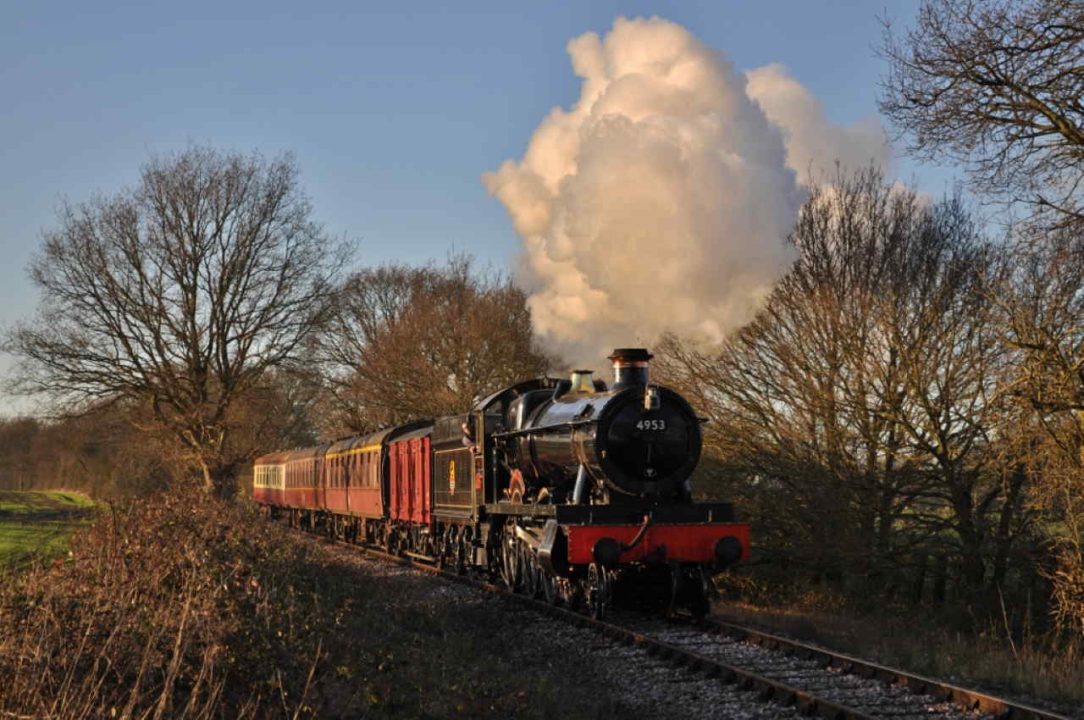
[371, 302]
[420, 342]
[861, 402]
[998, 85]
[948, 345]
[180, 293]
[1042, 297]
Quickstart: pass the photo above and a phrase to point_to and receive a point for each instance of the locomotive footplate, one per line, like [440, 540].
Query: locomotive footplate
[619, 514]
[635, 512]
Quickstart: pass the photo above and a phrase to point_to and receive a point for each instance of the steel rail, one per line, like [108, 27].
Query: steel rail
[966, 698]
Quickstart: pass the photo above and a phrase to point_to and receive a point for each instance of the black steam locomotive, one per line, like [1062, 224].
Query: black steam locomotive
[564, 488]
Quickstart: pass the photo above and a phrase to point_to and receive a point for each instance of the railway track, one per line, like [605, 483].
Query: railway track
[963, 697]
[811, 680]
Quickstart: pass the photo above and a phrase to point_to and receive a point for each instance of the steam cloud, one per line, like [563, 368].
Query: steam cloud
[661, 200]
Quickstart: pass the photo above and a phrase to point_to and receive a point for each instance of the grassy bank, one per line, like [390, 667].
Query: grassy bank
[38, 524]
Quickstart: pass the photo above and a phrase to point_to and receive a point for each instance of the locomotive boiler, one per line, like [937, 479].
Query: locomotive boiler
[588, 443]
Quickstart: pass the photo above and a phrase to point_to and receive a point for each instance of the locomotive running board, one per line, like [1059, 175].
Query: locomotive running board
[619, 514]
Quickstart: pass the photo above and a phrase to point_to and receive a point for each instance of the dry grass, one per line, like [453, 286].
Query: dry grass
[187, 607]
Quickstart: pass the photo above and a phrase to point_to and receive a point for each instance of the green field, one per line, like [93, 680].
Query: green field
[37, 525]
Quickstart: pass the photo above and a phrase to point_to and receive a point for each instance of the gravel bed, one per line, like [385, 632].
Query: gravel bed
[643, 686]
[867, 695]
[650, 687]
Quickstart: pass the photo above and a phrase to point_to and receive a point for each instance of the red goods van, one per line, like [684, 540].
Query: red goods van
[411, 491]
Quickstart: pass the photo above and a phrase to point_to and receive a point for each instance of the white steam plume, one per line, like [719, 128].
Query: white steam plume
[661, 200]
[814, 144]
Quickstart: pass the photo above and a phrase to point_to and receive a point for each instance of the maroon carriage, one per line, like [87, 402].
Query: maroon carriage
[269, 479]
[353, 476]
[302, 478]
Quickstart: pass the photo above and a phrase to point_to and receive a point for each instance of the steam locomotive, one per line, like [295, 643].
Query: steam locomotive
[567, 489]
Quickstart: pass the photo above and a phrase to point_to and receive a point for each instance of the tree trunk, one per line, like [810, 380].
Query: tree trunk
[218, 478]
[1004, 527]
[919, 586]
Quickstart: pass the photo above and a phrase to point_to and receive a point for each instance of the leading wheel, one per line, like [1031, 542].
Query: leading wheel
[597, 591]
[700, 603]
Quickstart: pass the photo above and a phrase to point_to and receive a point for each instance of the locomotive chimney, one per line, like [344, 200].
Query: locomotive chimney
[630, 367]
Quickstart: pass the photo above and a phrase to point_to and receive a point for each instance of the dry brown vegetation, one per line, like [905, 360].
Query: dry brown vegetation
[903, 424]
[167, 609]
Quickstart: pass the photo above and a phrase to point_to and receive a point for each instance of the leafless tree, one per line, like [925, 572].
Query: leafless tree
[180, 293]
[998, 85]
[1041, 294]
[861, 402]
[420, 342]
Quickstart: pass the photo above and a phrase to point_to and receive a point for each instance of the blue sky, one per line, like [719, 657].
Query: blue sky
[392, 110]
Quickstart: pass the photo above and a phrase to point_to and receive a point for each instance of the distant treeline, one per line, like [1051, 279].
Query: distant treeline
[396, 343]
